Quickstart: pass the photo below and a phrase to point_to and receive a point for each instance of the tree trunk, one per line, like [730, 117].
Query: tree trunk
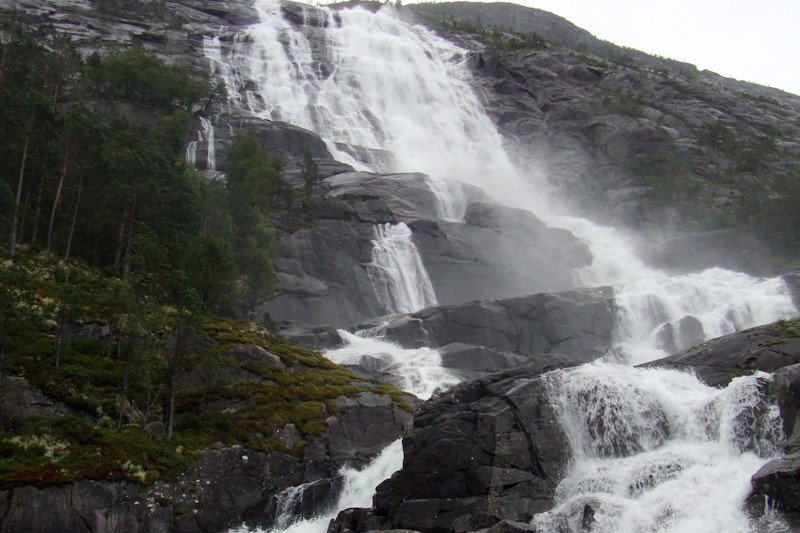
[56, 201]
[125, 380]
[74, 219]
[126, 269]
[13, 237]
[24, 214]
[121, 234]
[172, 387]
[55, 93]
[37, 210]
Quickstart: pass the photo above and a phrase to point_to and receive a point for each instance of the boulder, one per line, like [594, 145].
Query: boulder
[577, 323]
[483, 452]
[679, 335]
[779, 480]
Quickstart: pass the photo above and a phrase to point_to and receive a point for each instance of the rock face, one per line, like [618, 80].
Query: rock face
[659, 148]
[719, 360]
[86, 506]
[323, 275]
[483, 452]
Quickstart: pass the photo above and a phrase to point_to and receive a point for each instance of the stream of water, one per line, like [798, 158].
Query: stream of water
[653, 450]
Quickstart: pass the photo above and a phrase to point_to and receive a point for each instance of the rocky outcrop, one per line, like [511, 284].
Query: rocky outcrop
[483, 452]
[85, 506]
[222, 488]
[718, 361]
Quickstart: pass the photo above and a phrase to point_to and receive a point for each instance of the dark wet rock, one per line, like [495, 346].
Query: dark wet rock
[469, 361]
[498, 252]
[322, 270]
[718, 361]
[511, 526]
[779, 480]
[483, 452]
[84, 506]
[576, 323]
[356, 520]
[786, 388]
[777, 483]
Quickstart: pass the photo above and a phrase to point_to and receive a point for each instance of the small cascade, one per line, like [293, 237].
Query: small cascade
[656, 450]
[207, 135]
[285, 503]
[397, 273]
[190, 153]
[451, 202]
[359, 487]
[660, 314]
[418, 371]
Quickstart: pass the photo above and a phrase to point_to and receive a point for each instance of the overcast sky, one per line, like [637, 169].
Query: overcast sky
[752, 40]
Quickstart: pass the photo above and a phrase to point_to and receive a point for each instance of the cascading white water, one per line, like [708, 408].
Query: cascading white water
[656, 450]
[418, 371]
[190, 153]
[211, 148]
[390, 86]
[400, 280]
[204, 135]
[359, 487]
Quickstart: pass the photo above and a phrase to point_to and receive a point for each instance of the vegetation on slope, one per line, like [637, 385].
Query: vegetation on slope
[136, 388]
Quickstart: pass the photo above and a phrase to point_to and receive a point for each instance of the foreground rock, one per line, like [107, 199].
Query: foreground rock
[778, 481]
[483, 452]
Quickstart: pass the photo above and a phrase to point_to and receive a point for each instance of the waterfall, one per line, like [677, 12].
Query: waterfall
[653, 450]
[400, 280]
